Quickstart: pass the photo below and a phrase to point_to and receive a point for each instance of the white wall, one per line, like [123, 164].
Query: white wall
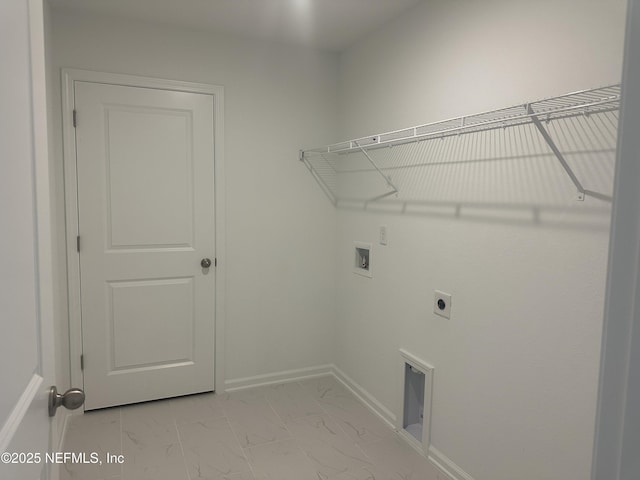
[280, 228]
[516, 367]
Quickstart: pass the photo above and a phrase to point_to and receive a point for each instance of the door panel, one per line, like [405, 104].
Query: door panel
[17, 242]
[26, 342]
[137, 308]
[146, 219]
[150, 178]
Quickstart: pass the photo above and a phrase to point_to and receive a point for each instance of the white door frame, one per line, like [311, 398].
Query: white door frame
[617, 434]
[69, 76]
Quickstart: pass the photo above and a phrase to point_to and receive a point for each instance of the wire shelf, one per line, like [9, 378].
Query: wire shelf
[334, 166]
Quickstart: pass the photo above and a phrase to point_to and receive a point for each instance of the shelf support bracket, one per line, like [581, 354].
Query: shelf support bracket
[387, 179]
[554, 148]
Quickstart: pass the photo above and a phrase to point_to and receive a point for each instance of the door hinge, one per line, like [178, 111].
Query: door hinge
[82, 362]
[75, 118]
[215, 262]
[78, 243]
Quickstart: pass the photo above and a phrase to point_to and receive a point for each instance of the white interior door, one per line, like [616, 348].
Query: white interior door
[145, 166]
[26, 352]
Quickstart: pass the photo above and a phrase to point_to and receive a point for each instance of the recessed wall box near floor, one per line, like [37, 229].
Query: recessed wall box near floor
[414, 421]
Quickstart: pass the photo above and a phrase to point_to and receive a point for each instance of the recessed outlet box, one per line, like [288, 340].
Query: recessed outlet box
[442, 304]
[362, 259]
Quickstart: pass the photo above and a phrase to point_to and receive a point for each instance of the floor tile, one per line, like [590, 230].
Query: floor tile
[192, 408]
[283, 460]
[148, 414]
[332, 451]
[394, 458]
[239, 476]
[365, 473]
[310, 430]
[65, 475]
[151, 447]
[329, 448]
[324, 387]
[211, 450]
[94, 432]
[248, 396]
[252, 419]
[291, 401]
[117, 477]
[354, 417]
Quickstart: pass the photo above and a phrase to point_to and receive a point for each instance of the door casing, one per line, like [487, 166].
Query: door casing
[69, 77]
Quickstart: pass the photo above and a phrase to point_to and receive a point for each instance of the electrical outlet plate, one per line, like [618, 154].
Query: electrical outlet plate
[442, 304]
[383, 235]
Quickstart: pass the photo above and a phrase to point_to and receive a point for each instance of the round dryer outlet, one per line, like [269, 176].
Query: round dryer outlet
[442, 304]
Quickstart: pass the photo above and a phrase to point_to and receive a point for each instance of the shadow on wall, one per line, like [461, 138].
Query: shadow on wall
[498, 174]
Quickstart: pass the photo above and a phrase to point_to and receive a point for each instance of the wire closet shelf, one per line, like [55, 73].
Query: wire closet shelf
[324, 162]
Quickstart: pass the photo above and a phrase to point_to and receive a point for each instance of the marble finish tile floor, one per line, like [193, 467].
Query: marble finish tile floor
[309, 430]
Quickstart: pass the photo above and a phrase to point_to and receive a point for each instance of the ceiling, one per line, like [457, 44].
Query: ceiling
[325, 24]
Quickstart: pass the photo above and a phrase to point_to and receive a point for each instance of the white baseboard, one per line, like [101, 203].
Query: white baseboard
[277, 377]
[11, 427]
[446, 465]
[365, 397]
